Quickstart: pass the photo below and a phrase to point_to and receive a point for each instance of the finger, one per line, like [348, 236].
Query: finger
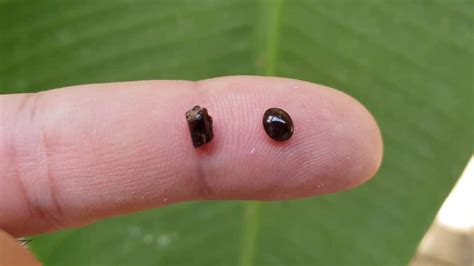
[74, 155]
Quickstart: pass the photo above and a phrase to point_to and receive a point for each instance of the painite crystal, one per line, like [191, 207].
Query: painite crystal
[200, 126]
[278, 124]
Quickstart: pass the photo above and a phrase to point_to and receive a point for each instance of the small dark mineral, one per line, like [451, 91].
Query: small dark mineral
[200, 126]
[278, 124]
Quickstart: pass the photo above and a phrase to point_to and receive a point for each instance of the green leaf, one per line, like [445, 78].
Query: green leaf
[409, 62]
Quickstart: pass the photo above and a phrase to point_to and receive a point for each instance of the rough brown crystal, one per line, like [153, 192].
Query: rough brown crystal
[200, 126]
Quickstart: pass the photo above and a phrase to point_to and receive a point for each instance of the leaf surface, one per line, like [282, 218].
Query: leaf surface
[410, 62]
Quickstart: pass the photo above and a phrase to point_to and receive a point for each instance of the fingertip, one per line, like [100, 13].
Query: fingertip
[367, 144]
[336, 143]
[355, 147]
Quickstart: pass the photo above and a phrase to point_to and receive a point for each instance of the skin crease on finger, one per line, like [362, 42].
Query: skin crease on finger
[74, 155]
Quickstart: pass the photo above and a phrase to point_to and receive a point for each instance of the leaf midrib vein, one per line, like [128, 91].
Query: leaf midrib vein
[267, 36]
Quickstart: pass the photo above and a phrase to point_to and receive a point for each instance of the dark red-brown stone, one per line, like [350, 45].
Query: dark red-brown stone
[200, 126]
[278, 124]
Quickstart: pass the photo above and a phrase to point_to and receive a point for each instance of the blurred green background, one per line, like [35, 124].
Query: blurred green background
[410, 62]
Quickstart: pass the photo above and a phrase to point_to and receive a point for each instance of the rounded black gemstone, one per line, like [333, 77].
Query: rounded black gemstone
[278, 124]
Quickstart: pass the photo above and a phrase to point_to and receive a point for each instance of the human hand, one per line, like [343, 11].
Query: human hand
[75, 155]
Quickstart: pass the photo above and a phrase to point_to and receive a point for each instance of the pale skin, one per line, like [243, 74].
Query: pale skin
[72, 156]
